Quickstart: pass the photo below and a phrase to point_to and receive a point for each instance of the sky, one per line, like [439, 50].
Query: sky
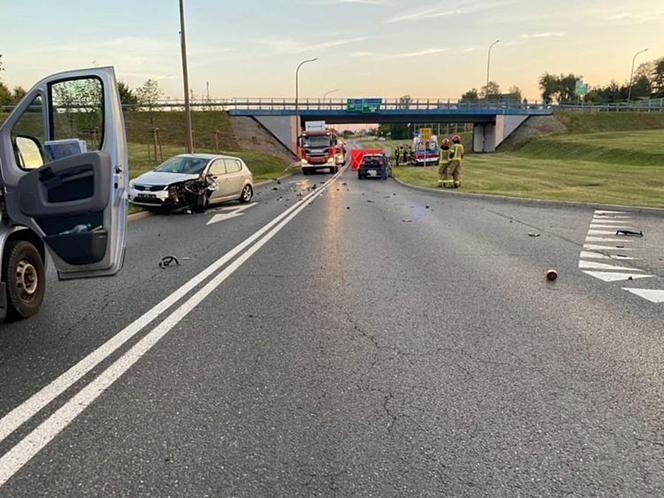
[366, 48]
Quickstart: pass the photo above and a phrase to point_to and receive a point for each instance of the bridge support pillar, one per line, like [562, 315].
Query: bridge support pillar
[484, 137]
[284, 128]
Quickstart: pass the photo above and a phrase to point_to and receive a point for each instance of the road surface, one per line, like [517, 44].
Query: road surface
[373, 340]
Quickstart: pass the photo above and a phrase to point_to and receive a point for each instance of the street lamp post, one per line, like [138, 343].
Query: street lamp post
[631, 74]
[329, 92]
[488, 68]
[189, 139]
[297, 91]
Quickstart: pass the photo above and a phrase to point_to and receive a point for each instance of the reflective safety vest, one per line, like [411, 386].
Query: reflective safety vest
[457, 152]
[445, 155]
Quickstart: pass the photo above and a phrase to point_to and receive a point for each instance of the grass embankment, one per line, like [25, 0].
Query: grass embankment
[615, 167]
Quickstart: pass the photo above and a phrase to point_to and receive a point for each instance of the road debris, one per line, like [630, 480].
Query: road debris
[406, 220]
[534, 234]
[427, 207]
[629, 233]
[275, 188]
[347, 207]
[278, 182]
[168, 261]
[552, 275]
[369, 200]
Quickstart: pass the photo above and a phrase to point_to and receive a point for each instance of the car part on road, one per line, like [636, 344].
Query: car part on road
[168, 261]
[629, 233]
[552, 275]
[534, 234]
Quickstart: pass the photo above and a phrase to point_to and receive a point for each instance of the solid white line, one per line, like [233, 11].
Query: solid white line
[604, 239]
[12, 461]
[610, 212]
[592, 231]
[29, 408]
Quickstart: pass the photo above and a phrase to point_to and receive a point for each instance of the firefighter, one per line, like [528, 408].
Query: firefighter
[444, 178]
[406, 154]
[457, 160]
[397, 154]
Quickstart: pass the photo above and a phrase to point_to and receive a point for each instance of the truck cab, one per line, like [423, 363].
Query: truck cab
[320, 148]
[63, 178]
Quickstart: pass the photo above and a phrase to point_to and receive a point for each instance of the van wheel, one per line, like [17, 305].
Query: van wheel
[26, 279]
[247, 194]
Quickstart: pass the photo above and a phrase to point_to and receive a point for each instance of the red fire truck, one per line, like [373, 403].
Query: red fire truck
[320, 148]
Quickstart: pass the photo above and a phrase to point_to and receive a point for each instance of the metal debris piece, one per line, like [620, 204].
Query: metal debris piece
[275, 188]
[629, 233]
[534, 234]
[406, 220]
[552, 275]
[427, 207]
[278, 182]
[168, 261]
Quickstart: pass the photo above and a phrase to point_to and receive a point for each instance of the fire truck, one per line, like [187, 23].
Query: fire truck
[319, 148]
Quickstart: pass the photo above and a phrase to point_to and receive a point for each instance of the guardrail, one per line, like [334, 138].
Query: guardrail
[288, 104]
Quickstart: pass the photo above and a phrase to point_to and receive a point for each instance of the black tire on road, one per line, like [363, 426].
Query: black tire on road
[25, 278]
[202, 203]
[247, 194]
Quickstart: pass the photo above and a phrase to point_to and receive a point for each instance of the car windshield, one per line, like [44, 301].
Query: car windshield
[317, 141]
[183, 164]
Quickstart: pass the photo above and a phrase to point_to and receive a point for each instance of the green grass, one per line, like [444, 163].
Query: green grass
[594, 122]
[607, 168]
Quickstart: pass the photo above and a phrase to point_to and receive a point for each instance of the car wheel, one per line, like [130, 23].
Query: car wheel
[305, 172]
[247, 194]
[26, 279]
[202, 203]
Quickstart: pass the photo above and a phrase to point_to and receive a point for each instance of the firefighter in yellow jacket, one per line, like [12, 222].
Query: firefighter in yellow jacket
[456, 155]
[444, 179]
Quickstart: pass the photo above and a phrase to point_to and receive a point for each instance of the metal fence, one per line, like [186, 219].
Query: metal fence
[308, 104]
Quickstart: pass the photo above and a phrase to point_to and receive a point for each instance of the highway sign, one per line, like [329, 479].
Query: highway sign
[581, 89]
[363, 105]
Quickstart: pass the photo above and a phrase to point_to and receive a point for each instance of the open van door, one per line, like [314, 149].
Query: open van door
[64, 170]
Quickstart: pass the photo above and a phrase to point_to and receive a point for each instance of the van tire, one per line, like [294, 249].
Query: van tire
[25, 277]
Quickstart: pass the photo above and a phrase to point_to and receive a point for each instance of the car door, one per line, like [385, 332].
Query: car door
[235, 176]
[64, 170]
[218, 173]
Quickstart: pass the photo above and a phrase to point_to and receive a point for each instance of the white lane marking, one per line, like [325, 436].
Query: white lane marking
[12, 461]
[652, 295]
[593, 231]
[234, 212]
[615, 277]
[613, 228]
[595, 247]
[594, 265]
[604, 239]
[593, 255]
[29, 408]
[610, 212]
[607, 219]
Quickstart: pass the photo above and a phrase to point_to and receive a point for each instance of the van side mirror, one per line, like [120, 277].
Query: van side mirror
[28, 151]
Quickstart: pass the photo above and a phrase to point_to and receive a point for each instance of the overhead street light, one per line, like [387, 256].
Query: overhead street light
[189, 139]
[631, 74]
[488, 67]
[297, 91]
[329, 92]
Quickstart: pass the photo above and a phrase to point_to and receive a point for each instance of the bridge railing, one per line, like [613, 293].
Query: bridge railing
[309, 104]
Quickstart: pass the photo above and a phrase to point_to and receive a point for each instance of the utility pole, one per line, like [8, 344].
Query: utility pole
[488, 68]
[189, 140]
[631, 74]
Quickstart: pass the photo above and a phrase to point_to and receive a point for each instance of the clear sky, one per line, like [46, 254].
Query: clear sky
[386, 48]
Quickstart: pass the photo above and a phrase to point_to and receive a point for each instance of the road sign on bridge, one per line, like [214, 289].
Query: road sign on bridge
[364, 106]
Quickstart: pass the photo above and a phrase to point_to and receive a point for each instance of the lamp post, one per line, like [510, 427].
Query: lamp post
[297, 91]
[488, 67]
[631, 74]
[329, 92]
[189, 139]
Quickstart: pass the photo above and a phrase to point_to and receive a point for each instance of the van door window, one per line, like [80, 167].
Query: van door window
[77, 117]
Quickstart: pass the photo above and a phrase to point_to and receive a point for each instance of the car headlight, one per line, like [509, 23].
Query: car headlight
[131, 183]
[330, 160]
[304, 161]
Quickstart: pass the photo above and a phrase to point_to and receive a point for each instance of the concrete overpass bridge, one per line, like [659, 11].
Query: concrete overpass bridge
[493, 121]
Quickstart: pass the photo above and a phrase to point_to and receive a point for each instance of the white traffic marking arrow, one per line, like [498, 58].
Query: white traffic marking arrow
[603, 239]
[594, 265]
[605, 221]
[653, 295]
[610, 212]
[592, 231]
[596, 255]
[595, 247]
[233, 212]
[615, 277]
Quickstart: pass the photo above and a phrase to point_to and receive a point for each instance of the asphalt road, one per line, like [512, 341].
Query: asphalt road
[382, 341]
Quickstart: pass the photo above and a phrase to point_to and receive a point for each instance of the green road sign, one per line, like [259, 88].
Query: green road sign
[581, 89]
[365, 106]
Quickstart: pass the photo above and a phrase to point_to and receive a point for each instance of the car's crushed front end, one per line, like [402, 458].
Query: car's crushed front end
[179, 193]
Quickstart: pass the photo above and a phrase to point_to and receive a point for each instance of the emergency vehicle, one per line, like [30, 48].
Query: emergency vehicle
[425, 152]
[319, 148]
[64, 175]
